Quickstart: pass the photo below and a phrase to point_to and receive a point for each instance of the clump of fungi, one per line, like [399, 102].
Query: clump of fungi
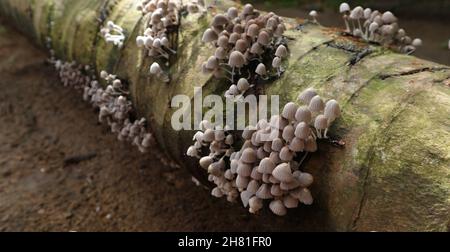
[112, 103]
[267, 166]
[247, 45]
[375, 26]
[162, 18]
[113, 34]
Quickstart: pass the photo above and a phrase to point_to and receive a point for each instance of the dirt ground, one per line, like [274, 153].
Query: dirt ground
[42, 124]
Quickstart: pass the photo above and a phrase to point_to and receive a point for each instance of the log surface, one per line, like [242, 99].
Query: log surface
[394, 172]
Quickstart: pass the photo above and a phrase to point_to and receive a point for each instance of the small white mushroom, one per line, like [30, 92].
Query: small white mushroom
[264, 192]
[283, 172]
[255, 204]
[314, 15]
[316, 104]
[277, 207]
[289, 111]
[307, 95]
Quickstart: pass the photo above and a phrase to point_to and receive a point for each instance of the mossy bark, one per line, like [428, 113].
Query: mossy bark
[394, 172]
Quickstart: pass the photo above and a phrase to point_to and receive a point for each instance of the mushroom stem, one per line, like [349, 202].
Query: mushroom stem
[325, 133]
[303, 159]
[347, 26]
[319, 134]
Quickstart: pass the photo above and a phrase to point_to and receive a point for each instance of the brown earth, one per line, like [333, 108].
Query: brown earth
[42, 124]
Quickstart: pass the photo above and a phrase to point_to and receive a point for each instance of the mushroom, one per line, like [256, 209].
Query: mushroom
[307, 95]
[276, 63]
[316, 104]
[236, 60]
[155, 69]
[320, 123]
[277, 207]
[209, 36]
[281, 52]
[314, 15]
[345, 9]
[261, 71]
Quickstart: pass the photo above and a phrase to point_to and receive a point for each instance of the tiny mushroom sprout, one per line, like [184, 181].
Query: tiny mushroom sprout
[155, 69]
[314, 15]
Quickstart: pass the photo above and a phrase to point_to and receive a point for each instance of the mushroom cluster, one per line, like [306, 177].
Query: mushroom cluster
[112, 104]
[267, 166]
[245, 43]
[113, 34]
[376, 26]
[163, 17]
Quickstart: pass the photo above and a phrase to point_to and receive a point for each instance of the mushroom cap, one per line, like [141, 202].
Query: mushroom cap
[248, 132]
[223, 41]
[248, 155]
[316, 104]
[283, 172]
[297, 144]
[357, 13]
[253, 30]
[238, 28]
[321, 122]
[305, 179]
[216, 192]
[219, 135]
[307, 95]
[205, 162]
[248, 9]
[261, 69]
[313, 13]
[263, 38]
[242, 182]
[289, 111]
[264, 192]
[290, 202]
[302, 131]
[208, 135]
[286, 154]
[253, 186]
[255, 174]
[373, 26]
[275, 190]
[212, 63]
[209, 36]
[257, 49]
[275, 157]
[243, 85]
[245, 197]
[234, 37]
[234, 165]
[236, 59]
[288, 133]
[277, 207]
[344, 7]
[255, 204]
[241, 45]
[281, 28]
[281, 52]
[221, 53]
[416, 42]
[305, 196]
[220, 20]
[303, 114]
[332, 110]
[277, 144]
[266, 166]
[232, 12]
[276, 62]
[367, 13]
[155, 68]
[388, 17]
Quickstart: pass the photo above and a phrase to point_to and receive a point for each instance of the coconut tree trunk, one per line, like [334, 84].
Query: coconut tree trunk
[394, 172]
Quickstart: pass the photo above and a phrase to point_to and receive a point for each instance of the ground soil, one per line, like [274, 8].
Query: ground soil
[43, 124]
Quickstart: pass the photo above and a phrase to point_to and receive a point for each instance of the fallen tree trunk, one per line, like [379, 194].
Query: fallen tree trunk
[394, 172]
